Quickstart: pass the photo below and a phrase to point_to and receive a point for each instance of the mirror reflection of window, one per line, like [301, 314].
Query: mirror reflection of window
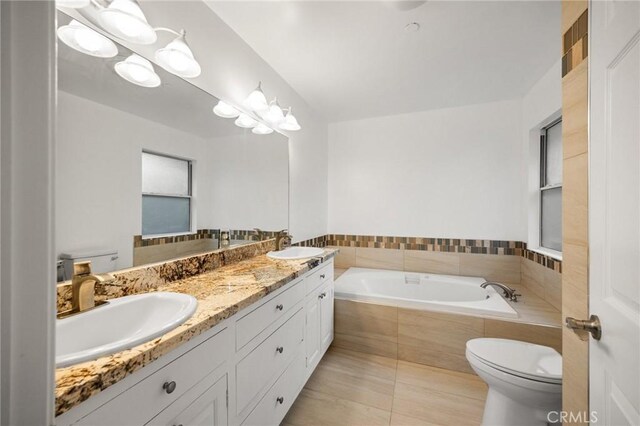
[166, 194]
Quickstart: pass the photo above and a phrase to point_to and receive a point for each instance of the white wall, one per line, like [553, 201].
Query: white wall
[540, 106]
[231, 70]
[442, 173]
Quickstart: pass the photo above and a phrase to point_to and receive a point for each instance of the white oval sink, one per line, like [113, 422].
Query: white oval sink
[293, 253]
[121, 324]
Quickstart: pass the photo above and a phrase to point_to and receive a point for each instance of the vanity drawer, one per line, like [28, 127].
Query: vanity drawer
[260, 318]
[316, 279]
[140, 403]
[274, 405]
[268, 360]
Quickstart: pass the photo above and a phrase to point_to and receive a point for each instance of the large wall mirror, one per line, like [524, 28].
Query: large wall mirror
[146, 174]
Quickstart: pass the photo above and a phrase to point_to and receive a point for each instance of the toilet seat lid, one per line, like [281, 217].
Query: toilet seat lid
[535, 362]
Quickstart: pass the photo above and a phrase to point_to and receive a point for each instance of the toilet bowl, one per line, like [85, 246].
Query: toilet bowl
[525, 381]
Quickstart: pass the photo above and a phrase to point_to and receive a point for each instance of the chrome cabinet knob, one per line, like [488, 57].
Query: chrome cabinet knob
[322, 295]
[169, 387]
[280, 307]
[280, 400]
[279, 349]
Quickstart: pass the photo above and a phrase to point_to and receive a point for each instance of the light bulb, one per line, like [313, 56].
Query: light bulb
[274, 115]
[245, 121]
[137, 70]
[290, 123]
[177, 58]
[262, 129]
[225, 110]
[73, 4]
[124, 19]
[84, 39]
[256, 100]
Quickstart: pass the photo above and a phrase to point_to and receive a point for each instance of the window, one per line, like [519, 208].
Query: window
[551, 186]
[166, 194]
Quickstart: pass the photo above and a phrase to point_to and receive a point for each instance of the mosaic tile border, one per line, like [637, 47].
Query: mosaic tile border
[320, 241]
[543, 260]
[235, 234]
[575, 46]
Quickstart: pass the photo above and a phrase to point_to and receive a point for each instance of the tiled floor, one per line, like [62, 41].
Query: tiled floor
[356, 389]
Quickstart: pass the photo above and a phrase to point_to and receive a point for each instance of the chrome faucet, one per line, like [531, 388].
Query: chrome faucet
[509, 292]
[283, 240]
[83, 289]
[260, 233]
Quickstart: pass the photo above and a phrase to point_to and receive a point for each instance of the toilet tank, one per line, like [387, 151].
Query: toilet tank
[102, 260]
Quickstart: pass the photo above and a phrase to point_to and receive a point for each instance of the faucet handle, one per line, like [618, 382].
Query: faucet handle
[82, 268]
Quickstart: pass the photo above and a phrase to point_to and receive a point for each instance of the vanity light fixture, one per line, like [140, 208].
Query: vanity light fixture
[256, 100]
[224, 110]
[245, 121]
[177, 57]
[262, 129]
[290, 122]
[73, 4]
[137, 70]
[86, 40]
[275, 114]
[125, 20]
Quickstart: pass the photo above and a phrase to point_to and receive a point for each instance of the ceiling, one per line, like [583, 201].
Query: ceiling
[354, 59]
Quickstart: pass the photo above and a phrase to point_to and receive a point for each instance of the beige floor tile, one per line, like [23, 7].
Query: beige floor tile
[366, 345]
[379, 258]
[402, 420]
[436, 407]
[453, 382]
[317, 408]
[431, 262]
[366, 320]
[366, 379]
[433, 357]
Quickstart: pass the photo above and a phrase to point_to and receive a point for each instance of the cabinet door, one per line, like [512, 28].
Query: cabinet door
[312, 330]
[326, 316]
[207, 409]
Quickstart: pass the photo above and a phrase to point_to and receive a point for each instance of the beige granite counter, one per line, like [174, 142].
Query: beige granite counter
[220, 294]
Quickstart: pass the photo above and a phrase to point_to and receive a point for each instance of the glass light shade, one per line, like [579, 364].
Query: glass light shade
[256, 100]
[290, 123]
[86, 40]
[137, 70]
[245, 121]
[275, 114]
[262, 129]
[73, 4]
[124, 19]
[225, 110]
[178, 59]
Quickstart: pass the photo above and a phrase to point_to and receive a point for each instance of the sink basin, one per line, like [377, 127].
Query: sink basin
[293, 253]
[121, 324]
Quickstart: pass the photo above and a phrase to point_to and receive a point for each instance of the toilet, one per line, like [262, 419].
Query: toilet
[524, 379]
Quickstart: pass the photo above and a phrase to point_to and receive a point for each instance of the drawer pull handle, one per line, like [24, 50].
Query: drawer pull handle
[322, 276]
[280, 349]
[169, 387]
[322, 295]
[280, 307]
[280, 400]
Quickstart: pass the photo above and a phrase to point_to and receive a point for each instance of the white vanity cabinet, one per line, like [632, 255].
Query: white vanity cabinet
[247, 370]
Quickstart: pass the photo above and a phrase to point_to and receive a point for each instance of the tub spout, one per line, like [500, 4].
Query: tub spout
[509, 293]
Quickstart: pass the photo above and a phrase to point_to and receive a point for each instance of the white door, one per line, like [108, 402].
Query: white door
[614, 210]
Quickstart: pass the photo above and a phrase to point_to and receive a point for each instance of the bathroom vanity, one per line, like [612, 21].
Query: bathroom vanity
[245, 369]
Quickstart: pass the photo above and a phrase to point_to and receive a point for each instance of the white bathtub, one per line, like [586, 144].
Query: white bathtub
[414, 290]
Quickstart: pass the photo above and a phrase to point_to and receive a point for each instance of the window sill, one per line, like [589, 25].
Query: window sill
[177, 234]
[554, 254]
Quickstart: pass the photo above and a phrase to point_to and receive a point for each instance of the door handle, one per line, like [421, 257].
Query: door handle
[592, 325]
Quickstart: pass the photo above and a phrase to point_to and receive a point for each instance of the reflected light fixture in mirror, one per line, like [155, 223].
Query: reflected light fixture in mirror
[245, 121]
[256, 100]
[177, 57]
[290, 122]
[73, 4]
[137, 70]
[274, 115]
[262, 129]
[86, 40]
[224, 110]
[124, 19]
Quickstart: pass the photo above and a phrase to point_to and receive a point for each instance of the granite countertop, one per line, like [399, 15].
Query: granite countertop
[220, 294]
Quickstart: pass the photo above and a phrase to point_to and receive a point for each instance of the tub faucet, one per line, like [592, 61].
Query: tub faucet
[83, 288]
[260, 233]
[509, 292]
